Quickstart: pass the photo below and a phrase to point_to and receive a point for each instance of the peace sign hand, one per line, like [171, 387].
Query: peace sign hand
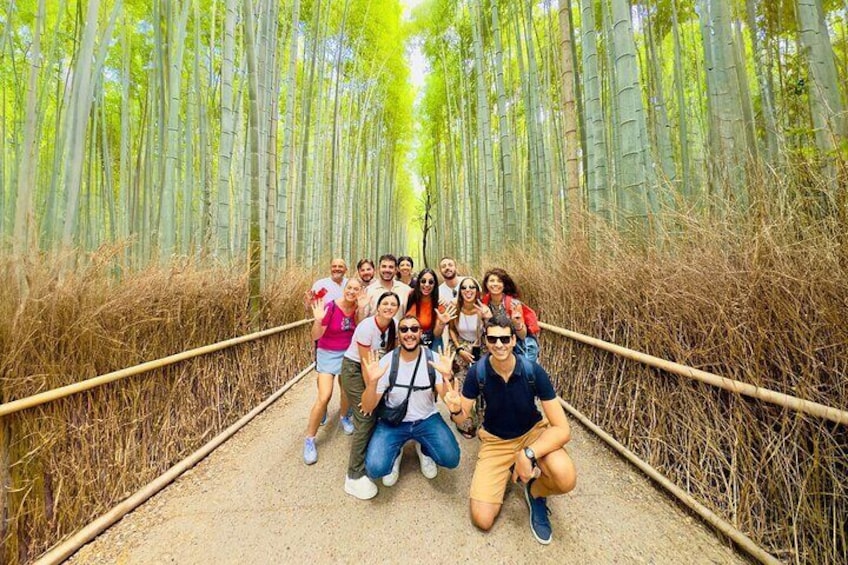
[484, 311]
[319, 310]
[453, 400]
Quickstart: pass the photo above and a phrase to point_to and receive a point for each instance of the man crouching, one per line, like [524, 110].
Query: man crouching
[406, 380]
[515, 439]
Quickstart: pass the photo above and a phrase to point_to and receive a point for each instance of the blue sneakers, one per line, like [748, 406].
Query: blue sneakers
[540, 524]
[310, 452]
[347, 425]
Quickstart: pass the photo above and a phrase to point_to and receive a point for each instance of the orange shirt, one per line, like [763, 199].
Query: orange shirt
[425, 317]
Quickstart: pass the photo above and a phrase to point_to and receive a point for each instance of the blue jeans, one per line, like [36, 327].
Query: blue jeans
[436, 439]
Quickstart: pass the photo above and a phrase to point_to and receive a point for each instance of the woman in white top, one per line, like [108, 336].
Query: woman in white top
[466, 330]
[374, 333]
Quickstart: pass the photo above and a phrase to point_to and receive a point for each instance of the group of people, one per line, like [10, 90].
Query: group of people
[398, 342]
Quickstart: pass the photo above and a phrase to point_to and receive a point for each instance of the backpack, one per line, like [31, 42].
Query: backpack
[395, 415]
[480, 374]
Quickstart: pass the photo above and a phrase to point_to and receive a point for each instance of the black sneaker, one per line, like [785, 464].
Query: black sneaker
[540, 523]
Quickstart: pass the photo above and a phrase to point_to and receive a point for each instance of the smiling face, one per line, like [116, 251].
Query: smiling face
[387, 307]
[494, 285]
[388, 269]
[405, 268]
[448, 269]
[499, 350]
[469, 291]
[409, 330]
[426, 284]
[338, 268]
[366, 272]
[351, 290]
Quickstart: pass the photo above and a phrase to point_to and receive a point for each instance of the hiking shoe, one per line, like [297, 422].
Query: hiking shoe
[390, 479]
[540, 523]
[310, 452]
[428, 466]
[323, 420]
[347, 425]
[362, 488]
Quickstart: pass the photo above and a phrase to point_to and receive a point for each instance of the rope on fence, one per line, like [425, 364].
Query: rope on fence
[67, 390]
[753, 391]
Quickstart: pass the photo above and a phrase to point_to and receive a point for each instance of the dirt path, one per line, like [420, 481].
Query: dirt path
[254, 501]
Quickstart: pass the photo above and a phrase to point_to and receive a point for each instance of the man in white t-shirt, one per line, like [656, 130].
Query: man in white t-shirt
[422, 423]
[330, 288]
[449, 289]
[387, 283]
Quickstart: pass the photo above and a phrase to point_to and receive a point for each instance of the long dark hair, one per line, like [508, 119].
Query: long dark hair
[416, 297]
[391, 338]
[509, 285]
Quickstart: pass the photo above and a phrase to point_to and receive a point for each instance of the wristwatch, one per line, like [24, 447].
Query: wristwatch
[531, 455]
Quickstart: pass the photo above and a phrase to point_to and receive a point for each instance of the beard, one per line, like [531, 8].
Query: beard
[407, 348]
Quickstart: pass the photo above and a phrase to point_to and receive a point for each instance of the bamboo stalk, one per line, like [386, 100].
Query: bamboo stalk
[70, 546]
[728, 529]
[753, 391]
[67, 390]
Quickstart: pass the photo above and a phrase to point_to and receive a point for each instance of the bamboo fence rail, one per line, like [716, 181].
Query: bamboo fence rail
[68, 547]
[745, 389]
[67, 390]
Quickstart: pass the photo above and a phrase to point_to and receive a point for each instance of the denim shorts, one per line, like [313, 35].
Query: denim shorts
[328, 361]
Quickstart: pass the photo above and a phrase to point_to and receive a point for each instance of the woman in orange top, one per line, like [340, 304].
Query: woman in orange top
[424, 305]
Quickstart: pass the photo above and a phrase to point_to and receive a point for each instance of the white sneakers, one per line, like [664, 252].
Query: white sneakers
[390, 479]
[428, 467]
[362, 488]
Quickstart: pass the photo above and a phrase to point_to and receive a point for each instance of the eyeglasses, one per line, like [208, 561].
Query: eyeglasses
[493, 339]
[468, 288]
[428, 282]
[407, 329]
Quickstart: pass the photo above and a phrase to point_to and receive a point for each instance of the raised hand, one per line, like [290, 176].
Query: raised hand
[443, 362]
[371, 369]
[448, 315]
[483, 310]
[453, 400]
[362, 299]
[319, 309]
[517, 314]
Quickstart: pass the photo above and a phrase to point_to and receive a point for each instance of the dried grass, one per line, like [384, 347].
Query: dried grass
[767, 307]
[69, 461]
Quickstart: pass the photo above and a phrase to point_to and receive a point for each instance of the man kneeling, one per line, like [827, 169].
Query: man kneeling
[408, 379]
[515, 439]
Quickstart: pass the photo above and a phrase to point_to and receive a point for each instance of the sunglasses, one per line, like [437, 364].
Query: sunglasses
[468, 288]
[428, 282]
[493, 339]
[407, 329]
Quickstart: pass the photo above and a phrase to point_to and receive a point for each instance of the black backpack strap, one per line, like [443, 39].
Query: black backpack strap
[529, 373]
[480, 373]
[431, 372]
[393, 370]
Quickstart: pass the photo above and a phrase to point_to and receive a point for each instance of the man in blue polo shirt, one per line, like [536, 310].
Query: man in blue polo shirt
[516, 440]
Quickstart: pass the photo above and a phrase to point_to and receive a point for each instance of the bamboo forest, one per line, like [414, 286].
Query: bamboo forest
[666, 175]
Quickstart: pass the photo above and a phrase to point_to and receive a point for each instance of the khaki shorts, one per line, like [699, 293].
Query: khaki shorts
[494, 460]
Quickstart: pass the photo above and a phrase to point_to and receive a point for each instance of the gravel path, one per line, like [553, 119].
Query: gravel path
[254, 501]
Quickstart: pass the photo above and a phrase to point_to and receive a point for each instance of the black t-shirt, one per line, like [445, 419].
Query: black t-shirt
[510, 405]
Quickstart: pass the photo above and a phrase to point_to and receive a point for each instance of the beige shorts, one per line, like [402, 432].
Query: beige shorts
[494, 460]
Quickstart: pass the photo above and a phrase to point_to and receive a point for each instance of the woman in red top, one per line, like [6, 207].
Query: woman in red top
[424, 305]
[502, 298]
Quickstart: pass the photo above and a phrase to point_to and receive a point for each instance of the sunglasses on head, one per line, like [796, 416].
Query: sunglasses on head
[493, 339]
[407, 329]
